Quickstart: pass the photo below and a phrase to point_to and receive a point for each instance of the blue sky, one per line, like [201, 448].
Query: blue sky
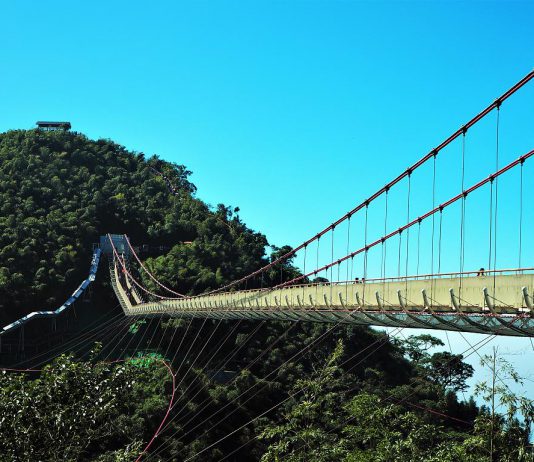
[293, 111]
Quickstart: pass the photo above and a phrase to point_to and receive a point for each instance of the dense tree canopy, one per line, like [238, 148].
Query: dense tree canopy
[81, 410]
[59, 191]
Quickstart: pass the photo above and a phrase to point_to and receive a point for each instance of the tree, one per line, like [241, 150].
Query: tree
[449, 370]
[443, 368]
[320, 280]
[77, 410]
[507, 434]
[59, 191]
[416, 347]
[308, 427]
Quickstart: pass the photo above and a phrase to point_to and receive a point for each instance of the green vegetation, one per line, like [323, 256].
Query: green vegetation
[80, 411]
[356, 397]
[367, 426]
[290, 391]
[60, 191]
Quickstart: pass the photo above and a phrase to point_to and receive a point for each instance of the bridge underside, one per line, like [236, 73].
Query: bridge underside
[499, 305]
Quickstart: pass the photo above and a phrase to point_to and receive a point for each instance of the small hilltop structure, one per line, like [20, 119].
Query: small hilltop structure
[53, 126]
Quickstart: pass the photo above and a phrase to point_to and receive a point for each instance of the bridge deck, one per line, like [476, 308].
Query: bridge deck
[469, 304]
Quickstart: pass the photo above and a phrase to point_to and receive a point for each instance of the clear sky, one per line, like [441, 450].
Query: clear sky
[293, 111]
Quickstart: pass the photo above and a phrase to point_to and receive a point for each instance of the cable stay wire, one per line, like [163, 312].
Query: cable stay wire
[90, 330]
[380, 341]
[203, 405]
[297, 355]
[415, 221]
[213, 353]
[495, 105]
[150, 275]
[391, 397]
[483, 342]
[107, 328]
[82, 339]
[192, 363]
[485, 363]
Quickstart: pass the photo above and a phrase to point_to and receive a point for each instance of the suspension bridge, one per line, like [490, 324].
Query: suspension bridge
[404, 258]
[491, 300]
[391, 290]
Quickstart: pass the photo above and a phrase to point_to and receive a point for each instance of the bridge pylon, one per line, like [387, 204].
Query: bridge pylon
[119, 242]
[116, 248]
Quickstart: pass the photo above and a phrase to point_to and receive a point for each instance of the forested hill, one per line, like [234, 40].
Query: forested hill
[245, 391]
[59, 191]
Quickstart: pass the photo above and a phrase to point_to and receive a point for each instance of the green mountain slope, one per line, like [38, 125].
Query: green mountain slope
[59, 191]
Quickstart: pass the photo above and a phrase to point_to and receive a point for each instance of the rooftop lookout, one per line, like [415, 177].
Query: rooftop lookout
[52, 126]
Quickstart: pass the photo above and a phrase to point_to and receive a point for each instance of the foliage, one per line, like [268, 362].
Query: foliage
[507, 419]
[59, 191]
[320, 424]
[443, 368]
[79, 410]
[304, 433]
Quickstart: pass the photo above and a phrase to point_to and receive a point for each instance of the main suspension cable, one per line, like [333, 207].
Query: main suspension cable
[415, 221]
[150, 275]
[364, 204]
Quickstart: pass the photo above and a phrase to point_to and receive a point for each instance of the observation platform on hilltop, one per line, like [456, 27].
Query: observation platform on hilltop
[53, 126]
[499, 303]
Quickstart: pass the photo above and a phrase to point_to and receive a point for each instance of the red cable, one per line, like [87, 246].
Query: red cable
[418, 220]
[125, 270]
[433, 411]
[497, 103]
[171, 402]
[148, 272]
[413, 222]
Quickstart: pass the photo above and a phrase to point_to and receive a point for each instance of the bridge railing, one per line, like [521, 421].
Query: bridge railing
[414, 277]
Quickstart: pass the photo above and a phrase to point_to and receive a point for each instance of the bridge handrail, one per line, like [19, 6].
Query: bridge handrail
[75, 295]
[372, 280]
[462, 130]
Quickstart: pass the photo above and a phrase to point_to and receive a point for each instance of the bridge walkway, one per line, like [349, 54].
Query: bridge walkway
[500, 304]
